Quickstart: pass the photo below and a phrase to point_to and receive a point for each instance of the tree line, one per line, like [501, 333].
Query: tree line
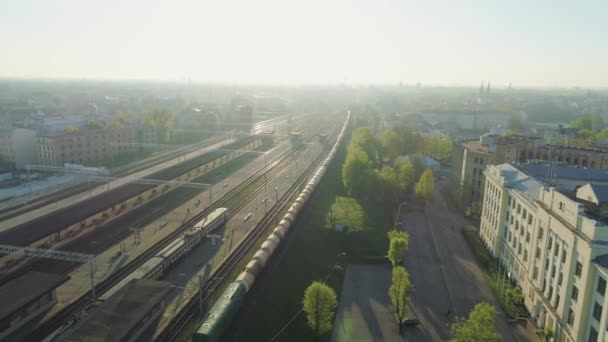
[376, 168]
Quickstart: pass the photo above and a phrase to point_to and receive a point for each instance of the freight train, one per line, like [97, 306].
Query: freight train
[224, 309]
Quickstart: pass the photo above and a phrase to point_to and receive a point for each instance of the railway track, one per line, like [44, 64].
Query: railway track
[71, 310]
[24, 207]
[20, 208]
[191, 308]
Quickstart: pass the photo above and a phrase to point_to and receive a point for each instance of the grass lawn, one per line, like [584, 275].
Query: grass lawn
[490, 267]
[308, 254]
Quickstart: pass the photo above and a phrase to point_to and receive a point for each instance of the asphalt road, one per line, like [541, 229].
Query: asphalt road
[446, 278]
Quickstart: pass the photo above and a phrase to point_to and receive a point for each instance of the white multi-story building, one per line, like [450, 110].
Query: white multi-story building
[553, 243]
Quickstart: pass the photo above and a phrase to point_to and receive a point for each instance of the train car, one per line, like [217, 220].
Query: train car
[221, 313]
[213, 221]
[225, 308]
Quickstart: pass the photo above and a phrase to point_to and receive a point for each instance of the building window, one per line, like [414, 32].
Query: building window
[574, 293]
[578, 269]
[601, 286]
[537, 252]
[561, 206]
[535, 273]
[540, 233]
[592, 335]
[564, 253]
[570, 317]
[597, 311]
[560, 278]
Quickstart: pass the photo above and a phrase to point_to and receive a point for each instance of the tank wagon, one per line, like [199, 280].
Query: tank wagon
[222, 312]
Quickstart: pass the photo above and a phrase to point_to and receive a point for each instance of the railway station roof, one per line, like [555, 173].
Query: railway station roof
[114, 319]
[27, 288]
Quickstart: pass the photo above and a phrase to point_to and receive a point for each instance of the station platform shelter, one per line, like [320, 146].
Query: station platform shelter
[24, 299]
[128, 315]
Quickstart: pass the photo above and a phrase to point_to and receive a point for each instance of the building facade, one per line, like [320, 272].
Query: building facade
[470, 157]
[18, 147]
[85, 146]
[554, 245]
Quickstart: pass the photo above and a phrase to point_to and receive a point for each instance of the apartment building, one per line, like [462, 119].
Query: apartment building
[553, 242]
[470, 157]
[18, 147]
[88, 139]
[85, 146]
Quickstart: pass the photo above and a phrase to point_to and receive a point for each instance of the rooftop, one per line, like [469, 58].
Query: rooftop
[475, 145]
[541, 171]
[113, 319]
[524, 184]
[30, 286]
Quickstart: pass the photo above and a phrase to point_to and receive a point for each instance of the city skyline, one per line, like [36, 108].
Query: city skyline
[540, 44]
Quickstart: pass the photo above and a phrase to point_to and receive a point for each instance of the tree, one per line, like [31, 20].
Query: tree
[70, 129]
[356, 171]
[544, 334]
[162, 120]
[425, 187]
[405, 173]
[582, 122]
[387, 185]
[417, 165]
[474, 210]
[391, 143]
[399, 292]
[479, 326]
[398, 243]
[319, 304]
[364, 139]
[515, 297]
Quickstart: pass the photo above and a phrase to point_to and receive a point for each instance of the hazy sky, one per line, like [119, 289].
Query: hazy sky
[528, 43]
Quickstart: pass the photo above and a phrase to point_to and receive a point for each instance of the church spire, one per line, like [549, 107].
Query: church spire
[488, 89]
[481, 90]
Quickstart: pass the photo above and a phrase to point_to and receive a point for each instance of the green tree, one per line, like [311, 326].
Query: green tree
[417, 165]
[162, 120]
[319, 304]
[405, 173]
[70, 129]
[425, 187]
[474, 210]
[387, 185]
[515, 297]
[582, 122]
[356, 171]
[365, 140]
[479, 326]
[397, 248]
[400, 290]
[391, 143]
[544, 335]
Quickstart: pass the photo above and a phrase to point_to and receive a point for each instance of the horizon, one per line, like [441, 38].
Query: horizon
[271, 42]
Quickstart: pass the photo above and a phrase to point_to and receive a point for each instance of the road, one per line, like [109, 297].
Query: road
[446, 278]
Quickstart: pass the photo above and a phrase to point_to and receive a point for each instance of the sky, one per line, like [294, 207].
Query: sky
[451, 42]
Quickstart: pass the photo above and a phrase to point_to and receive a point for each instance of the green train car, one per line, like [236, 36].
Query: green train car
[221, 313]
